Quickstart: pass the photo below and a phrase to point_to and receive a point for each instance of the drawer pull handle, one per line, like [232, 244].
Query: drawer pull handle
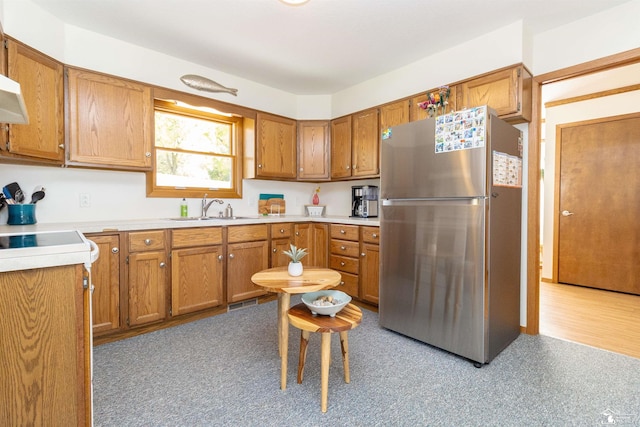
[343, 248]
[342, 263]
[342, 282]
[374, 235]
[232, 256]
[275, 250]
[162, 265]
[220, 257]
[342, 232]
[115, 250]
[147, 242]
[282, 230]
[362, 254]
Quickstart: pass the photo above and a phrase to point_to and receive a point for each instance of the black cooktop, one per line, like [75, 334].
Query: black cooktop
[40, 239]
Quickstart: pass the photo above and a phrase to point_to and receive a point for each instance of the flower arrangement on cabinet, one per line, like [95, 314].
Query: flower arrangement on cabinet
[316, 198]
[437, 101]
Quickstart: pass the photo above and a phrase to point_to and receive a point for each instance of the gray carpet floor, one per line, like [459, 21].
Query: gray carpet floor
[225, 371]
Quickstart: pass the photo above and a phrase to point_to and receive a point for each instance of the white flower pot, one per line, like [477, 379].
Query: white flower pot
[295, 269]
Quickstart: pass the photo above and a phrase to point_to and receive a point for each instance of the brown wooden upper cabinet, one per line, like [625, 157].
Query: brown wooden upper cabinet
[341, 148]
[313, 150]
[276, 147]
[110, 121]
[394, 114]
[42, 84]
[365, 144]
[507, 91]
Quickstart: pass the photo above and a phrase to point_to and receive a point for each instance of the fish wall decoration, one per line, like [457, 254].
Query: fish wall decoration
[205, 84]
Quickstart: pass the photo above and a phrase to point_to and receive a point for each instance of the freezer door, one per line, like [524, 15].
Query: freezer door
[410, 167]
[432, 273]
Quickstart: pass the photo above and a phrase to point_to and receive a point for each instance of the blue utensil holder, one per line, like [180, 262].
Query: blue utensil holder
[22, 214]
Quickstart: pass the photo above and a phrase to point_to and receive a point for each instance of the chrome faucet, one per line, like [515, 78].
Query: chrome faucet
[206, 205]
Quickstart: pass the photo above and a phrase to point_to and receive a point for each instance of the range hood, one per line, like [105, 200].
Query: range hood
[12, 108]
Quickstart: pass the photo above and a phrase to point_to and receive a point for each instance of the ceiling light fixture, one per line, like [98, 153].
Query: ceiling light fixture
[294, 2]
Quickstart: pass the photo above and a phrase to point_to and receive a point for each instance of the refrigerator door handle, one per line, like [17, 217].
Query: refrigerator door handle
[451, 200]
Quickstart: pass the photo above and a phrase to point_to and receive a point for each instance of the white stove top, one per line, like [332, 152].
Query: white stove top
[26, 250]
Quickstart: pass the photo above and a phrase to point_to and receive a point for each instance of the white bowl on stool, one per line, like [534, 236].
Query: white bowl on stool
[326, 310]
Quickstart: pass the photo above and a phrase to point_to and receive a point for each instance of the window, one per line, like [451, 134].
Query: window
[197, 150]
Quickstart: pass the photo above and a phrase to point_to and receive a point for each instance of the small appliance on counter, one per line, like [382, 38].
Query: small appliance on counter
[364, 201]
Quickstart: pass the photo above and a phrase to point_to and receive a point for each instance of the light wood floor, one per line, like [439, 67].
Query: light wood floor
[602, 319]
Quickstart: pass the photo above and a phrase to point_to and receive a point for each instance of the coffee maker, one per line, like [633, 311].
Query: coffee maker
[364, 201]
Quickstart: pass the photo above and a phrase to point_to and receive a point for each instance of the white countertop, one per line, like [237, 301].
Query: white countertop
[160, 223]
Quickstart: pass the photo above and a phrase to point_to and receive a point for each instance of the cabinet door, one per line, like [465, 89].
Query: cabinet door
[110, 121]
[303, 239]
[365, 144]
[341, 147]
[278, 258]
[506, 91]
[105, 276]
[147, 281]
[196, 279]
[244, 260]
[370, 273]
[394, 114]
[313, 150]
[276, 147]
[42, 84]
[320, 253]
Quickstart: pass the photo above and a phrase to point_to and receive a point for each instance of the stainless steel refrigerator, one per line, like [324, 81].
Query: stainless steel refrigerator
[450, 190]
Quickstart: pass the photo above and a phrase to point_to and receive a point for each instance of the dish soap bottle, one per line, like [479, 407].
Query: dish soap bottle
[184, 208]
[229, 211]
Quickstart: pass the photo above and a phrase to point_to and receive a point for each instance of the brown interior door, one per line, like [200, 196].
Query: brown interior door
[598, 228]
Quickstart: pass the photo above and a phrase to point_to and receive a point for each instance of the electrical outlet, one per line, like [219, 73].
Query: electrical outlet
[85, 200]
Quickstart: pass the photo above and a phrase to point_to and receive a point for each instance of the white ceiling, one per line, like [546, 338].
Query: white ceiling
[320, 47]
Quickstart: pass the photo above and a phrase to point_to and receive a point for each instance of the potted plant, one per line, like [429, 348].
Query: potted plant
[295, 266]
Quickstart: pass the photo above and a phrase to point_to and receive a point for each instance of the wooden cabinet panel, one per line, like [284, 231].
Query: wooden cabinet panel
[370, 234]
[394, 114]
[247, 233]
[320, 254]
[349, 284]
[345, 232]
[507, 91]
[45, 365]
[278, 258]
[196, 279]
[244, 260]
[303, 239]
[346, 264]
[279, 231]
[41, 80]
[105, 277]
[110, 121]
[276, 147]
[341, 147]
[313, 150]
[370, 273]
[189, 237]
[345, 248]
[146, 240]
[365, 144]
[147, 282]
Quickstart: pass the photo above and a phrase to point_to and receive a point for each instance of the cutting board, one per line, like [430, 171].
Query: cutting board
[271, 204]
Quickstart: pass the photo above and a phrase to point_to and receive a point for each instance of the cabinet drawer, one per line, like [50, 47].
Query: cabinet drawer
[349, 284]
[343, 263]
[190, 237]
[247, 233]
[344, 232]
[146, 241]
[371, 234]
[279, 231]
[345, 248]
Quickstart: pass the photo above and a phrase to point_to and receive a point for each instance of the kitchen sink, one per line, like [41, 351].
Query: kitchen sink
[207, 218]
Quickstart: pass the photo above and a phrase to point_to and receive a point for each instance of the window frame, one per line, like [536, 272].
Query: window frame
[169, 105]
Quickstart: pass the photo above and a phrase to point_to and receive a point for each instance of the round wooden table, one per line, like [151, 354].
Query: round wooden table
[278, 280]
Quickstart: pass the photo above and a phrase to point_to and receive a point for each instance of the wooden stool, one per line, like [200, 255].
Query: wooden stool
[348, 318]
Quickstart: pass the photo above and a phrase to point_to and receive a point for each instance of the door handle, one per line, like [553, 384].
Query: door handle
[566, 213]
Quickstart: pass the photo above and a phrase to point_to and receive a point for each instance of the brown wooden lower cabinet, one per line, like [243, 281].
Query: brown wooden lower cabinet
[247, 253]
[105, 277]
[45, 371]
